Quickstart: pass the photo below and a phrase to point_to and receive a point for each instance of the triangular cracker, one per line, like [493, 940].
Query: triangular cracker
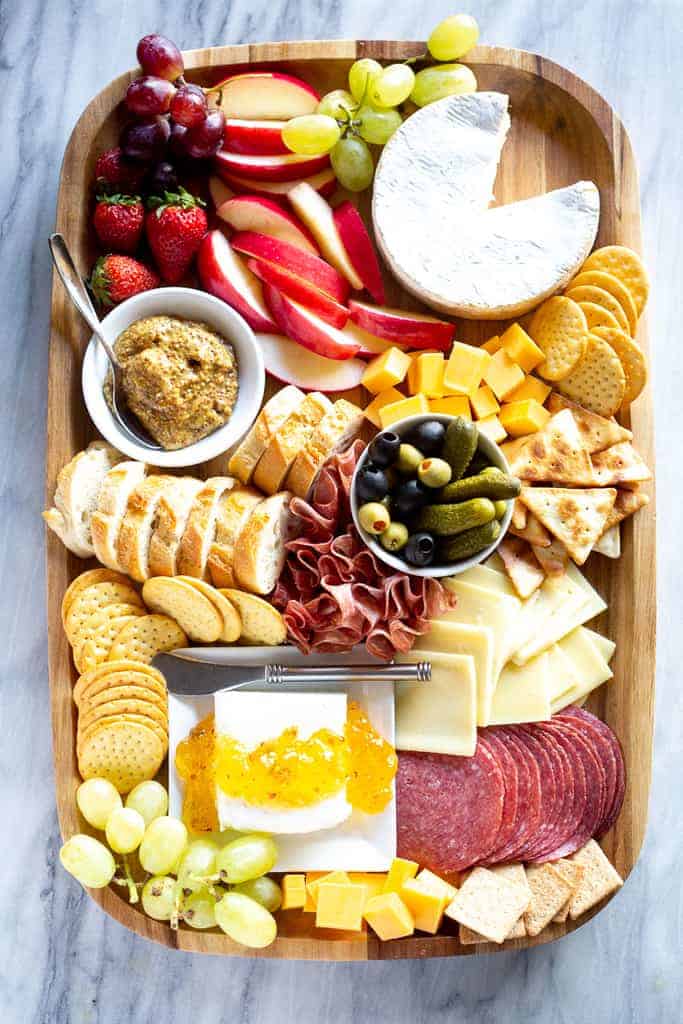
[519, 514]
[620, 464]
[524, 571]
[576, 516]
[627, 502]
[597, 432]
[554, 454]
[609, 544]
[532, 532]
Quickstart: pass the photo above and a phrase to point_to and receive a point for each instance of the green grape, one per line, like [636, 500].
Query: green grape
[264, 890]
[377, 126]
[453, 37]
[88, 860]
[163, 845]
[392, 86]
[198, 862]
[245, 920]
[124, 830]
[338, 104]
[246, 858]
[149, 799]
[199, 910]
[361, 74]
[96, 799]
[445, 80]
[352, 163]
[159, 897]
[311, 134]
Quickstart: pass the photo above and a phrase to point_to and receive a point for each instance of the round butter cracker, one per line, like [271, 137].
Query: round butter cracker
[147, 636]
[631, 358]
[124, 753]
[86, 733]
[95, 597]
[611, 284]
[598, 382]
[598, 316]
[87, 579]
[627, 266]
[119, 669]
[598, 296]
[559, 328]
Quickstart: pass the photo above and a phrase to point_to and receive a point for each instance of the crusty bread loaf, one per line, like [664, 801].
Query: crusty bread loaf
[76, 496]
[200, 531]
[335, 432]
[173, 512]
[139, 524]
[289, 440]
[273, 414]
[234, 509]
[260, 548]
[116, 489]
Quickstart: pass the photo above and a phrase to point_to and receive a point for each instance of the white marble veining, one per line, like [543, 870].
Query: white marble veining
[61, 959]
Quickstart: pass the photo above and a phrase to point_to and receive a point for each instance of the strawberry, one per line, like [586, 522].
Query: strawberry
[113, 173]
[175, 226]
[115, 278]
[119, 221]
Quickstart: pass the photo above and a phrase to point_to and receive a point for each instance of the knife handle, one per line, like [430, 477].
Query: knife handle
[421, 673]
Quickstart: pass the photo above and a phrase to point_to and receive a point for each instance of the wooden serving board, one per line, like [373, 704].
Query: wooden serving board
[562, 131]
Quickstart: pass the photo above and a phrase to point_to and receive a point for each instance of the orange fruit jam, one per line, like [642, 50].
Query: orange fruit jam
[194, 761]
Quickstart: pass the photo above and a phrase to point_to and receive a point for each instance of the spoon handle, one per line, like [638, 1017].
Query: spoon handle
[78, 293]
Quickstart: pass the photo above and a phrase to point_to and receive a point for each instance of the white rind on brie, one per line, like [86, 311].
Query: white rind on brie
[243, 817]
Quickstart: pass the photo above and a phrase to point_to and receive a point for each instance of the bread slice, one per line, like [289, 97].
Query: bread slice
[195, 544]
[273, 414]
[173, 512]
[76, 496]
[289, 440]
[116, 489]
[335, 432]
[139, 524]
[234, 509]
[260, 548]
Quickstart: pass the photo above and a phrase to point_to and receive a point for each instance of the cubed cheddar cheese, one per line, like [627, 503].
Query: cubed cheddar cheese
[425, 905]
[493, 428]
[531, 387]
[313, 883]
[293, 892]
[386, 370]
[526, 417]
[492, 345]
[372, 880]
[465, 368]
[484, 402]
[412, 406]
[438, 885]
[502, 375]
[521, 348]
[453, 405]
[340, 905]
[428, 375]
[399, 872]
[379, 401]
[389, 917]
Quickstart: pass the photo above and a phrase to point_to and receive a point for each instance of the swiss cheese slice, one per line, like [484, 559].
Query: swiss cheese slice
[479, 607]
[522, 693]
[561, 673]
[438, 717]
[589, 666]
[489, 578]
[535, 613]
[462, 638]
[604, 645]
[582, 604]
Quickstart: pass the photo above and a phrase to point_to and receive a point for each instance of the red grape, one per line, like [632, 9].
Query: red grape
[163, 179]
[148, 96]
[177, 141]
[188, 106]
[146, 140]
[159, 56]
[204, 140]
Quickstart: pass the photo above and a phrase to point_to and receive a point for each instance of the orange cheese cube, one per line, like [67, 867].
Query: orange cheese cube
[453, 405]
[372, 880]
[379, 401]
[293, 892]
[484, 402]
[438, 885]
[521, 348]
[493, 428]
[465, 368]
[502, 375]
[492, 345]
[426, 906]
[340, 905]
[526, 417]
[313, 884]
[428, 375]
[400, 871]
[312, 876]
[412, 406]
[389, 917]
[531, 387]
[386, 370]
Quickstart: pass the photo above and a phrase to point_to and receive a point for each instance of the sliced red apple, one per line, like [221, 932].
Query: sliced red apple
[287, 361]
[257, 137]
[370, 344]
[412, 330]
[281, 167]
[219, 191]
[309, 330]
[316, 213]
[360, 250]
[267, 217]
[299, 289]
[267, 95]
[323, 182]
[224, 273]
[294, 260]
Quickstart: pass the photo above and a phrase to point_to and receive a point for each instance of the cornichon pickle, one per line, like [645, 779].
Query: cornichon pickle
[496, 486]
[460, 444]
[469, 543]
[446, 520]
[501, 508]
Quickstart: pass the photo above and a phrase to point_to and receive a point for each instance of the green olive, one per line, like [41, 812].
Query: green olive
[409, 458]
[434, 472]
[501, 508]
[374, 517]
[394, 537]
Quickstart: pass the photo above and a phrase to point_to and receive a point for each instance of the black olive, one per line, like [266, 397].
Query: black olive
[371, 483]
[428, 436]
[419, 550]
[409, 497]
[384, 449]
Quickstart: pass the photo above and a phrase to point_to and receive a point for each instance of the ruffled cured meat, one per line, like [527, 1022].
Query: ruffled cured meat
[333, 592]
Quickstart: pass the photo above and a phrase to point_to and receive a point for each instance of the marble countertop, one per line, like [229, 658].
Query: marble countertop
[61, 959]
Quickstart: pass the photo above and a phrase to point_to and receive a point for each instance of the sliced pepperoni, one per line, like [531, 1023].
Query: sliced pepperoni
[508, 766]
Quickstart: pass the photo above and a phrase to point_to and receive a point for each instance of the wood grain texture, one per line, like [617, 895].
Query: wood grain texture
[562, 131]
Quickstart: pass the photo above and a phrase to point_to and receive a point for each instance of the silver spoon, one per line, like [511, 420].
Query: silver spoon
[78, 293]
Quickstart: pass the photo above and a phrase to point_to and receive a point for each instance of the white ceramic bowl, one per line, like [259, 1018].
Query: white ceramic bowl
[489, 449]
[188, 304]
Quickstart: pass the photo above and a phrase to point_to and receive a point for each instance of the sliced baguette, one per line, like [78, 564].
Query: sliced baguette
[289, 440]
[77, 494]
[200, 531]
[116, 489]
[234, 509]
[139, 524]
[260, 548]
[273, 414]
[173, 512]
[335, 432]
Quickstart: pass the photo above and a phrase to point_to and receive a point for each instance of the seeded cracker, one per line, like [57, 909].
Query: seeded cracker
[125, 753]
[598, 297]
[146, 637]
[631, 358]
[598, 382]
[559, 328]
[624, 264]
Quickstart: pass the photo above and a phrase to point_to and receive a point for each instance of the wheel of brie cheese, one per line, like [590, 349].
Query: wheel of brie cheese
[430, 209]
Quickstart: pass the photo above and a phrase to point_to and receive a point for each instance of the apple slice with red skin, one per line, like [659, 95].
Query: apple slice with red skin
[267, 217]
[309, 330]
[257, 138]
[220, 192]
[281, 167]
[360, 250]
[324, 182]
[301, 291]
[224, 273]
[291, 363]
[412, 330]
[294, 260]
[267, 95]
[316, 213]
[370, 344]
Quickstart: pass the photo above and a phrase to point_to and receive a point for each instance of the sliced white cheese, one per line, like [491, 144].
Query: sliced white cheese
[440, 716]
[561, 673]
[489, 579]
[571, 613]
[535, 613]
[606, 646]
[479, 607]
[462, 638]
[522, 693]
[596, 604]
[589, 666]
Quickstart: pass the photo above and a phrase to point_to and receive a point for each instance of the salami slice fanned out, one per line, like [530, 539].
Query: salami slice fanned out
[603, 740]
[508, 767]
[528, 797]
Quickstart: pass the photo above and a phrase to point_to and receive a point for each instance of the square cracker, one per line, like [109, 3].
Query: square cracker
[599, 880]
[549, 893]
[490, 902]
[572, 874]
